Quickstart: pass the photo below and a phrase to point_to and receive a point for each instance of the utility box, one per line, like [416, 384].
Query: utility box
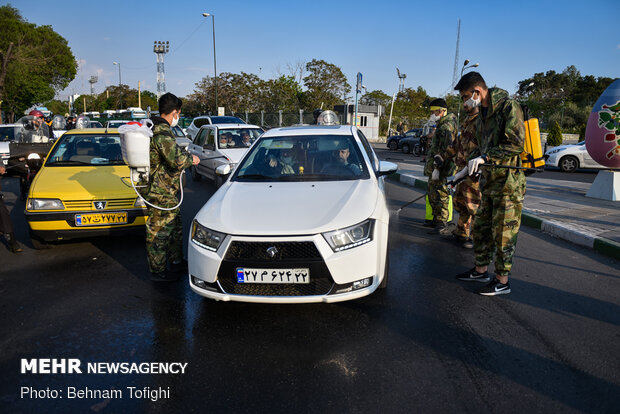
[367, 118]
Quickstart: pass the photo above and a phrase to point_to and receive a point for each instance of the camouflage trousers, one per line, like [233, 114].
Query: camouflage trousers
[496, 228]
[439, 199]
[466, 202]
[164, 238]
[6, 225]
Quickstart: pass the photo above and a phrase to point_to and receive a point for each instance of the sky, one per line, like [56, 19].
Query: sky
[511, 40]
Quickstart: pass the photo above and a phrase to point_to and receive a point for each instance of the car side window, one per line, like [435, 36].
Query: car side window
[210, 142]
[371, 154]
[200, 138]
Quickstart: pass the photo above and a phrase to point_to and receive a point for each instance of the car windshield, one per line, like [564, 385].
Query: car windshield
[177, 131]
[95, 124]
[226, 120]
[7, 133]
[86, 149]
[237, 137]
[303, 158]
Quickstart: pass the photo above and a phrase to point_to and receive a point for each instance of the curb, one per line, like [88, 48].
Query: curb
[562, 231]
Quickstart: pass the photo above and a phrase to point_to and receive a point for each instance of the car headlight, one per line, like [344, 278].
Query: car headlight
[206, 238]
[350, 237]
[553, 151]
[45, 204]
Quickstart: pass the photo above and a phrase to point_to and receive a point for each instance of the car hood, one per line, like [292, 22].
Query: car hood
[282, 209]
[565, 147]
[82, 183]
[235, 154]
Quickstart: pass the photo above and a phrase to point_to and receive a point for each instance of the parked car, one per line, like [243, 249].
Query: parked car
[221, 144]
[182, 140]
[116, 123]
[81, 190]
[8, 133]
[570, 157]
[393, 141]
[199, 121]
[94, 124]
[314, 232]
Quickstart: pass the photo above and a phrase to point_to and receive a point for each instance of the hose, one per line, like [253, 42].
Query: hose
[158, 207]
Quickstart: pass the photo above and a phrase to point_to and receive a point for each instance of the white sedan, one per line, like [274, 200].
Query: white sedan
[570, 157]
[302, 219]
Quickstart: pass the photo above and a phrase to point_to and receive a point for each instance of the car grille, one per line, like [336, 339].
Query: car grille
[88, 204]
[290, 255]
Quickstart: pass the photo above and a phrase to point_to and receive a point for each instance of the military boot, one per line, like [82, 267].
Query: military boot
[439, 227]
[14, 246]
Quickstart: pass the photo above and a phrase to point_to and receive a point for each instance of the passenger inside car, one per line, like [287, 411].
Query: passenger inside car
[85, 151]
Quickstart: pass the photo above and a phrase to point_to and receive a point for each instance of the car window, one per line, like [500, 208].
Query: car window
[371, 154]
[237, 137]
[200, 138]
[178, 132]
[226, 120]
[7, 133]
[201, 121]
[210, 143]
[86, 149]
[303, 158]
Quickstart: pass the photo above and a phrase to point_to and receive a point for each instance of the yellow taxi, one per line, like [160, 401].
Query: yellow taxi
[83, 189]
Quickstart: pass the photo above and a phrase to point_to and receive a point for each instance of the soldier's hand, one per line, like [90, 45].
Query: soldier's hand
[195, 160]
[2, 170]
[435, 175]
[474, 165]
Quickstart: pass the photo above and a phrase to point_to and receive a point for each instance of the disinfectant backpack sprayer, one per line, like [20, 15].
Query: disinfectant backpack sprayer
[135, 147]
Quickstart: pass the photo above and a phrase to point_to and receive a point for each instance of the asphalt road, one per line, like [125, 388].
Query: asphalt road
[427, 344]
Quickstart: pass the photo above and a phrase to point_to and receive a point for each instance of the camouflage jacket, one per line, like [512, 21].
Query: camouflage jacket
[168, 160]
[464, 144]
[500, 137]
[443, 138]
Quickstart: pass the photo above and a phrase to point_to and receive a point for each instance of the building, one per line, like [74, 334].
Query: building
[367, 118]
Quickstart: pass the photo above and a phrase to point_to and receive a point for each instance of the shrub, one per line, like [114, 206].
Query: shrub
[555, 135]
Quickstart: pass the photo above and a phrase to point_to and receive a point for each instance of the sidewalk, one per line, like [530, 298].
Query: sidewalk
[559, 208]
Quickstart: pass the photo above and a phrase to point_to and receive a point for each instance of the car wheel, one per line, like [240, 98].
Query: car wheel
[406, 149]
[569, 163]
[386, 269]
[417, 150]
[195, 175]
[393, 145]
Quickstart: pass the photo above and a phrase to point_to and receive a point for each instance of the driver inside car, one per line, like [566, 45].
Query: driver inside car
[340, 160]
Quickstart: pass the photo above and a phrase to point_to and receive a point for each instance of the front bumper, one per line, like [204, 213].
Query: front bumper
[60, 225]
[551, 160]
[213, 274]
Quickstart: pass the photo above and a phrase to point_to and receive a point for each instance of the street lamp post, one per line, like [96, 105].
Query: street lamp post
[120, 91]
[475, 65]
[214, 59]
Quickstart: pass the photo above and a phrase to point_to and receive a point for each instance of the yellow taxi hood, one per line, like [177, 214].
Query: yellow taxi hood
[82, 182]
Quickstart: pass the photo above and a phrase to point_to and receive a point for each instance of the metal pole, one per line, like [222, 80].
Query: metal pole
[120, 82]
[391, 109]
[355, 121]
[214, 63]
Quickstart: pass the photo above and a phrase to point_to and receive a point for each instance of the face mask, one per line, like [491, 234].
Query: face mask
[434, 118]
[472, 103]
[175, 121]
[287, 160]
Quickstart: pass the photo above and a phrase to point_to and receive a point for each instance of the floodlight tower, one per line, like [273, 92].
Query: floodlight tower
[92, 81]
[160, 49]
[401, 80]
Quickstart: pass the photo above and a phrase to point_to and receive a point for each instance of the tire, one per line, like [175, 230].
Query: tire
[195, 175]
[393, 145]
[406, 149]
[386, 270]
[417, 150]
[568, 163]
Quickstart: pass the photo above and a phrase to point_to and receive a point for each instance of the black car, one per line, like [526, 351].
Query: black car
[407, 142]
[393, 142]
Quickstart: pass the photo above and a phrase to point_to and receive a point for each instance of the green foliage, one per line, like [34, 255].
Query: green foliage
[582, 132]
[325, 84]
[35, 62]
[555, 135]
[57, 107]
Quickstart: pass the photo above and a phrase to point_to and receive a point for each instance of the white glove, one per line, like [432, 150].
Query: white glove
[474, 164]
[459, 175]
[435, 175]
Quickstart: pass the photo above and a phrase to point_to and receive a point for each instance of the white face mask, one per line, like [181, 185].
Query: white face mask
[434, 118]
[472, 103]
[175, 121]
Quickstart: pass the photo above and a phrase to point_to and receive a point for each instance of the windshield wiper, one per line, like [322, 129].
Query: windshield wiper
[256, 176]
[68, 162]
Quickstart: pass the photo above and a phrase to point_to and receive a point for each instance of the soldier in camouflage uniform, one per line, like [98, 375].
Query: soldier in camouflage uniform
[164, 237]
[500, 131]
[438, 195]
[467, 194]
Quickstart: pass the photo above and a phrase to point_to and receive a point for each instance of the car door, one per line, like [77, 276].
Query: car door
[211, 153]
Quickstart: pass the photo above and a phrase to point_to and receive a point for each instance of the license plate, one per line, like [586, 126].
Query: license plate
[294, 276]
[101, 219]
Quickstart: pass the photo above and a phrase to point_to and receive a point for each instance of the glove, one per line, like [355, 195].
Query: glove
[435, 175]
[474, 164]
[461, 174]
[437, 161]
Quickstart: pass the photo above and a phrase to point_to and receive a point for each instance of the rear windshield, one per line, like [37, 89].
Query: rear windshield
[226, 120]
[86, 149]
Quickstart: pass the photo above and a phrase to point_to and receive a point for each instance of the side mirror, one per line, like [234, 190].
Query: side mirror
[223, 170]
[386, 168]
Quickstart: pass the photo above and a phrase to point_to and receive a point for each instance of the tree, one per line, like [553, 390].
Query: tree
[555, 135]
[35, 62]
[376, 97]
[326, 85]
[283, 93]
